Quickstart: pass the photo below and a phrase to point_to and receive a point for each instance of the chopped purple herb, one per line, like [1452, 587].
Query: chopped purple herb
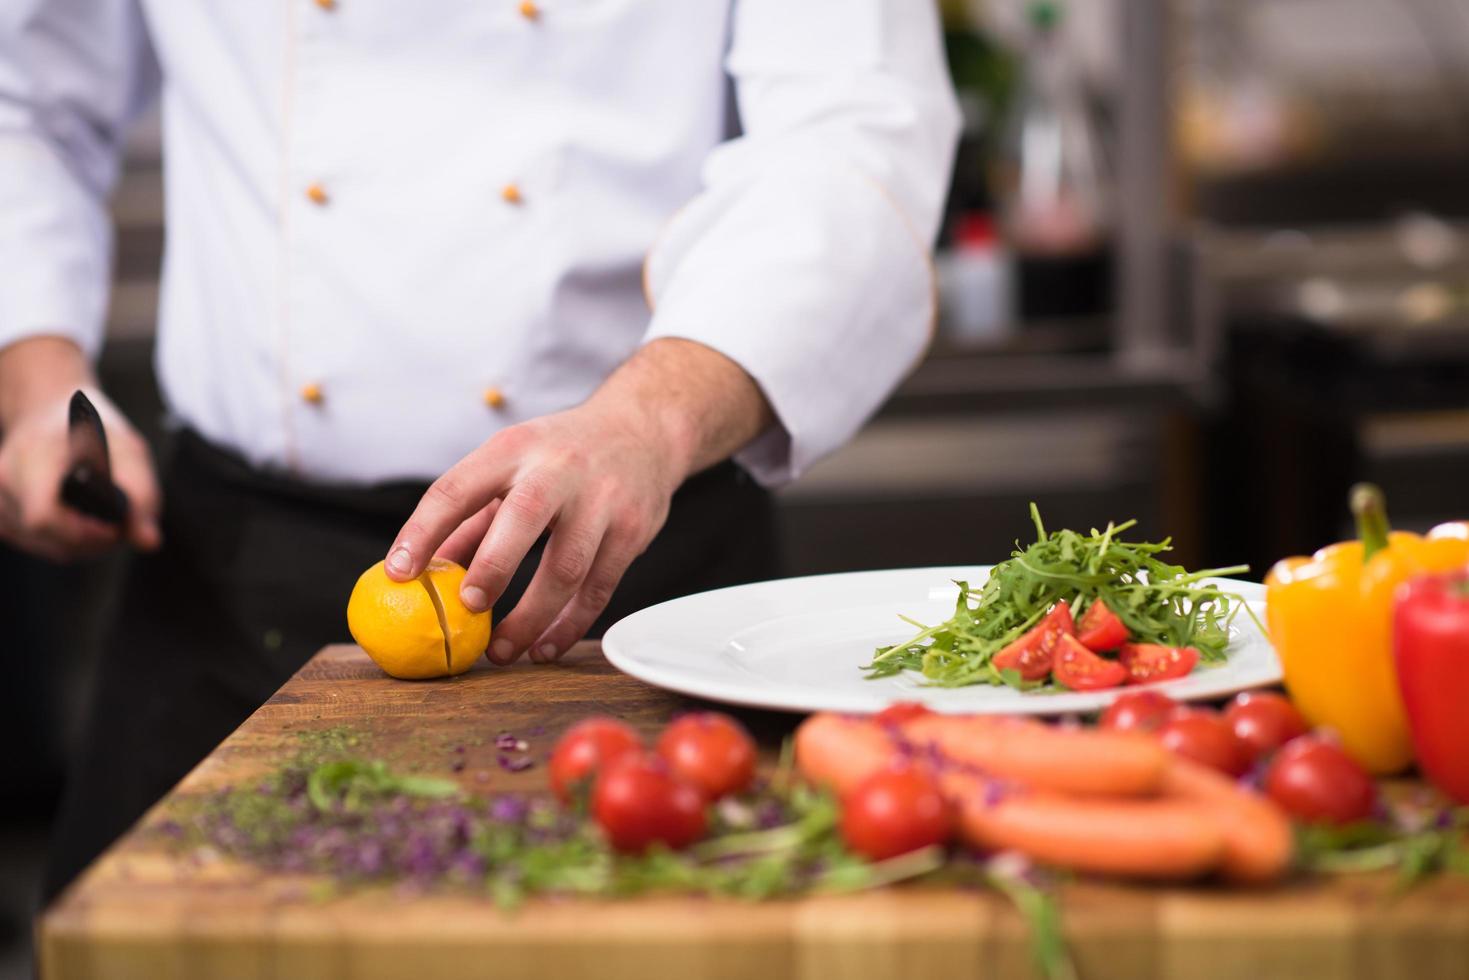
[508, 808]
[512, 763]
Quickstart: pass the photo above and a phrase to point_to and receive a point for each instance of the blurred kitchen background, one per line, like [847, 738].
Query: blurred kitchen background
[1206, 262]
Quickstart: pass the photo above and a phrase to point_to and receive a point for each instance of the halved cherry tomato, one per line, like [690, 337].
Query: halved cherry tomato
[1314, 780]
[639, 801]
[1138, 711]
[1206, 738]
[1033, 654]
[710, 750]
[901, 711]
[1264, 721]
[586, 747]
[895, 811]
[1100, 629]
[1148, 662]
[1081, 670]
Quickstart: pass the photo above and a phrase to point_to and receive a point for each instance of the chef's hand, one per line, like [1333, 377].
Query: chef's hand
[37, 378]
[600, 476]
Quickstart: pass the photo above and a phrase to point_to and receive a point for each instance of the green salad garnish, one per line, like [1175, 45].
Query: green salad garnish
[1159, 602]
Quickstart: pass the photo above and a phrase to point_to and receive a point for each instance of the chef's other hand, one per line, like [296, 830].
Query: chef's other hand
[599, 476]
[37, 379]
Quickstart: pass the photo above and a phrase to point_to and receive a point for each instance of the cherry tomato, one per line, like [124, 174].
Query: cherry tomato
[1032, 654]
[1081, 670]
[1148, 662]
[1101, 629]
[1314, 780]
[1141, 711]
[901, 711]
[639, 801]
[895, 811]
[1264, 721]
[587, 746]
[710, 750]
[1206, 738]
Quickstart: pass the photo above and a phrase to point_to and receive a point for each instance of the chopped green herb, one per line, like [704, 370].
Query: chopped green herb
[1440, 846]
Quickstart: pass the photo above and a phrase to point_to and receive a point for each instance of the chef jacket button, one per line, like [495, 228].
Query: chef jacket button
[312, 394]
[316, 194]
[510, 193]
[529, 10]
[494, 397]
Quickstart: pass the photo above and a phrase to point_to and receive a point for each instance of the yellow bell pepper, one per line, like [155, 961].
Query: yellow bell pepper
[1330, 618]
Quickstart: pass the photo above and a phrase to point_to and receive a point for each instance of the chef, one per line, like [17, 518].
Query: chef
[543, 286]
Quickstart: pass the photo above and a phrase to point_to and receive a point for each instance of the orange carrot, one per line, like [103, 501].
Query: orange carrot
[1257, 836]
[1023, 786]
[839, 752]
[1080, 761]
[1159, 838]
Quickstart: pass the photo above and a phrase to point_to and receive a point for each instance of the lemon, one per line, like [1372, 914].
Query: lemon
[417, 629]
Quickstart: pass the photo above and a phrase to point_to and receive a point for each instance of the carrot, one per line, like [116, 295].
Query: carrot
[1079, 761]
[1145, 838]
[1258, 844]
[839, 752]
[1158, 838]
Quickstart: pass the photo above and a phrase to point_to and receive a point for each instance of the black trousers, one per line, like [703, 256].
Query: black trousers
[253, 578]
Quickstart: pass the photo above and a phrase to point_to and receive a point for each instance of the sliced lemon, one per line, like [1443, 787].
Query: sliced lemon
[418, 629]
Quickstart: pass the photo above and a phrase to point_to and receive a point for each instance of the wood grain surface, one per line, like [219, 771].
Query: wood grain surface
[145, 912]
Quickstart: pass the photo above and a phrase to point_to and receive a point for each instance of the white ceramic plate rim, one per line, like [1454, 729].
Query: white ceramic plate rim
[691, 645]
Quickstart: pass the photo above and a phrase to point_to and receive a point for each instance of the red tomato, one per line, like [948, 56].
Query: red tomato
[895, 811]
[1100, 628]
[710, 750]
[1148, 662]
[1142, 711]
[1032, 654]
[1315, 781]
[1081, 670]
[587, 746]
[638, 801]
[1205, 738]
[901, 711]
[1264, 721]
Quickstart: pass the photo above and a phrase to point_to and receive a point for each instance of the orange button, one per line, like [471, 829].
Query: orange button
[312, 394]
[529, 10]
[316, 194]
[511, 194]
[327, 4]
[494, 397]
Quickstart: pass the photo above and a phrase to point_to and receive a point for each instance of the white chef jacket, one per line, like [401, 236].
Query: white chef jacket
[395, 227]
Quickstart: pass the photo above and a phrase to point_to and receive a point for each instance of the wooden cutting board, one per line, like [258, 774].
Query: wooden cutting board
[143, 912]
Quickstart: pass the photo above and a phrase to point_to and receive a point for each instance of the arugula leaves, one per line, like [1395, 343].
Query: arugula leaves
[1160, 603]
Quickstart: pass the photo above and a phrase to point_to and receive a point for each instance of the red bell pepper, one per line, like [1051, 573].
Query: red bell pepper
[1431, 647]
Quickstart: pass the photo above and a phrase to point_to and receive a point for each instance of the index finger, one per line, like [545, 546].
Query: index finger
[467, 487]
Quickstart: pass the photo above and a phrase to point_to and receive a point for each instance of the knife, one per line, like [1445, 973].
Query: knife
[87, 487]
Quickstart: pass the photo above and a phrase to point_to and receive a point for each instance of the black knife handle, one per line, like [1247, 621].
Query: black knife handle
[84, 491]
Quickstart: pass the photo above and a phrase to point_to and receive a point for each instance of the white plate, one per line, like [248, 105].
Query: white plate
[799, 644]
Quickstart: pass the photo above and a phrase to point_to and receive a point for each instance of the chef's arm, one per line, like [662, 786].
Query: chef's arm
[72, 72]
[806, 257]
[789, 297]
[601, 474]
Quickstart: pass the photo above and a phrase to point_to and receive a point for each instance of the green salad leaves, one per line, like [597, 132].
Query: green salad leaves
[1159, 602]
